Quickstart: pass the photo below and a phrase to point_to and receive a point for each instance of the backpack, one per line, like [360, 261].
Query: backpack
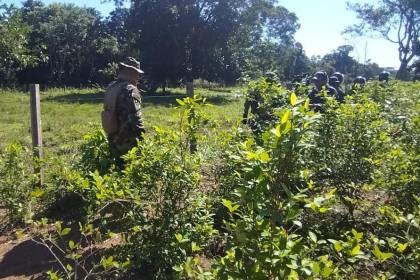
[109, 114]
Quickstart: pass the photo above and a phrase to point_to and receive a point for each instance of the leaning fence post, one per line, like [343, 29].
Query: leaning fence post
[193, 139]
[36, 132]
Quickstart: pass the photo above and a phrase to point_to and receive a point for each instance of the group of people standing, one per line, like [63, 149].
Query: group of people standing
[122, 120]
[331, 85]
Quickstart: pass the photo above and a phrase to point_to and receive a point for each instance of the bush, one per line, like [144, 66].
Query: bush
[17, 183]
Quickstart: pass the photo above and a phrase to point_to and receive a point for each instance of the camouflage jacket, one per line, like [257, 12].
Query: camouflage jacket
[129, 117]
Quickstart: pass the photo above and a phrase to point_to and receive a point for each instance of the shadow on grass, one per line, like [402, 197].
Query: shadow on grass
[163, 99]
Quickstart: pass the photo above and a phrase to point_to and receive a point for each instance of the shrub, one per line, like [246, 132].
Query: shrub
[17, 183]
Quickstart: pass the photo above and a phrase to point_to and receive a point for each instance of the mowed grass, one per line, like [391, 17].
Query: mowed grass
[68, 114]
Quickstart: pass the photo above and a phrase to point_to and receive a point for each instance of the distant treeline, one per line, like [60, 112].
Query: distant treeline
[176, 41]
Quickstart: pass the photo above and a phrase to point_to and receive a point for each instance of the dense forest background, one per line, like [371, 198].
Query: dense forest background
[176, 40]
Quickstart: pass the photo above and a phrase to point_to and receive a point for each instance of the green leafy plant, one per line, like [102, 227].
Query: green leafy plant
[17, 183]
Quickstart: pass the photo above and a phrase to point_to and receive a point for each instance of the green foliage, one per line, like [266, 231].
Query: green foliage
[348, 141]
[286, 191]
[15, 54]
[95, 153]
[310, 196]
[192, 119]
[16, 184]
[73, 45]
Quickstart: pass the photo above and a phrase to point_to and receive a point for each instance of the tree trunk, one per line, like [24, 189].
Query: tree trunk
[403, 73]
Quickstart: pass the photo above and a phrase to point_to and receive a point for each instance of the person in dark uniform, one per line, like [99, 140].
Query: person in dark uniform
[335, 83]
[340, 77]
[321, 82]
[359, 83]
[384, 76]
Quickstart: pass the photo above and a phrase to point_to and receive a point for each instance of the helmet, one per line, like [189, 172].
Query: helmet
[384, 76]
[321, 76]
[339, 76]
[334, 81]
[360, 80]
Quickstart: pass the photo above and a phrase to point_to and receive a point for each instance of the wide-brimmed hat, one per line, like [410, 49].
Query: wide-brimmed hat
[132, 63]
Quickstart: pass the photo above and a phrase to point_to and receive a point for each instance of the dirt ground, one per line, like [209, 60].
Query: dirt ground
[20, 257]
[23, 259]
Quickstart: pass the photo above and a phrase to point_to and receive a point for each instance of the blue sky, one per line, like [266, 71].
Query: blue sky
[322, 22]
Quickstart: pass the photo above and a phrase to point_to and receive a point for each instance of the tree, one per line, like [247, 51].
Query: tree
[397, 21]
[14, 52]
[180, 40]
[341, 60]
[74, 42]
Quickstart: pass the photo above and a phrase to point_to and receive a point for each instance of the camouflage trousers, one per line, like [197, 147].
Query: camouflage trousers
[118, 147]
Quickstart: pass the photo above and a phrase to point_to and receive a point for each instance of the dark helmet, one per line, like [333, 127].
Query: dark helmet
[339, 76]
[334, 81]
[320, 76]
[360, 80]
[384, 76]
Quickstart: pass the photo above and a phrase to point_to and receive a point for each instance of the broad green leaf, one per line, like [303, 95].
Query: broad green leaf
[69, 268]
[285, 117]
[312, 236]
[71, 244]
[179, 237]
[316, 268]
[357, 235]
[287, 127]
[195, 247]
[381, 256]
[293, 99]
[337, 246]
[232, 208]
[58, 226]
[180, 102]
[401, 247]
[306, 106]
[277, 131]
[323, 209]
[298, 223]
[356, 250]
[326, 272]
[265, 157]
[65, 231]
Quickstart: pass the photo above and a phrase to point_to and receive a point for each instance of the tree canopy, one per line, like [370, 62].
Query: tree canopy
[175, 40]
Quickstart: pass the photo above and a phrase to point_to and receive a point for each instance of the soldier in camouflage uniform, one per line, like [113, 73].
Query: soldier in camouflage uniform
[128, 114]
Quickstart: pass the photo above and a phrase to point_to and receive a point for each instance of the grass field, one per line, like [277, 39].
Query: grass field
[68, 114]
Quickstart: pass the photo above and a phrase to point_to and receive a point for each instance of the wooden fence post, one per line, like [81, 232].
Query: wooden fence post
[36, 132]
[193, 139]
[190, 89]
